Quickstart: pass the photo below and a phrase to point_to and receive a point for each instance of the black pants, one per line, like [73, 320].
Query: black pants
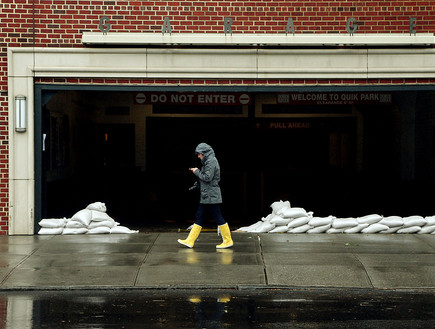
[213, 210]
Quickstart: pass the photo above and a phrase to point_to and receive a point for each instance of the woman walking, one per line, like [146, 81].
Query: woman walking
[210, 197]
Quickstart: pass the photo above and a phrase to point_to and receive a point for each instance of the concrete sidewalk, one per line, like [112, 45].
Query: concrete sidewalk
[156, 260]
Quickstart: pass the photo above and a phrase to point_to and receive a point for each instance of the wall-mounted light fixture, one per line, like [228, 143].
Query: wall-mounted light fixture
[20, 114]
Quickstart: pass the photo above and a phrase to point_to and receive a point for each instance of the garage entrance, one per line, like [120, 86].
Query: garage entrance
[97, 144]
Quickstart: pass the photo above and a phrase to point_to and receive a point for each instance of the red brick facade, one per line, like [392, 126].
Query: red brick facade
[60, 23]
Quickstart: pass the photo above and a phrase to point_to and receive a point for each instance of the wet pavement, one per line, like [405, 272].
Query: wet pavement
[218, 308]
[148, 280]
[156, 260]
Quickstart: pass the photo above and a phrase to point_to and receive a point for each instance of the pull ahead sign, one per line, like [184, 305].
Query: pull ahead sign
[229, 99]
[331, 98]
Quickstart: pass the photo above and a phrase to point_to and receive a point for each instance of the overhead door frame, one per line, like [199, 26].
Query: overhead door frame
[26, 64]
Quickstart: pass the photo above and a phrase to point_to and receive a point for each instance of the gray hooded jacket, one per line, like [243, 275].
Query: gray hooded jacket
[209, 176]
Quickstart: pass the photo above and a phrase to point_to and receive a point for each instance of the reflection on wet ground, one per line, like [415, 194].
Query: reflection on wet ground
[265, 308]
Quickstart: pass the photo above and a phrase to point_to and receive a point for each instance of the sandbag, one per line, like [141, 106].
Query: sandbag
[281, 211]
[99, 206]
[250, 227]
[319, 229]
[427, 229]
[122, 230]
[276, 206]
[321, 221]
[369, 219]
[301, 229]
[335, 230]
[67, 230]
[375, 228]
[298, 222]
[279, 229]
[430, 220]
[264, 228]
[278, 220]
[52, 222]
[391, 230]
[392, 221]
[83, 216]
[294, 213]
[99, 216]
[409, 230]
[356, 229]
[344, 222]
[107, 223]
[99, 230]
[414, 221]
[74, 224]
[50, 231]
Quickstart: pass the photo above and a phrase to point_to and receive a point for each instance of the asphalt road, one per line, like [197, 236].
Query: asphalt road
[211, 308]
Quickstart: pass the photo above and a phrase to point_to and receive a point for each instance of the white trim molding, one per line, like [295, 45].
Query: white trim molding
[200, 63]
[263, 39]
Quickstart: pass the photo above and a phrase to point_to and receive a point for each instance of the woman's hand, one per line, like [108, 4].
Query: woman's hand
[193, 170]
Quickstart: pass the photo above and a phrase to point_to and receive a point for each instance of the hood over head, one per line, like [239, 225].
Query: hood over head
[205, 150]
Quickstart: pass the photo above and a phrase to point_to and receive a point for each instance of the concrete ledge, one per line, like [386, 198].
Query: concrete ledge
[252, 39]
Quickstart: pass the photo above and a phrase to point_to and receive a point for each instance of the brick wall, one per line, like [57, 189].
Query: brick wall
[59, 23]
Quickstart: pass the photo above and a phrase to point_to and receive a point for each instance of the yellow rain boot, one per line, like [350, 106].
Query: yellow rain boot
[226, 236]
[193, 235]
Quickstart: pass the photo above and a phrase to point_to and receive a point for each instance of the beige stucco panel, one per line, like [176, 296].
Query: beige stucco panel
[21, 210]
[201, 63]
[401, 63]
[91, 63]
[312, 64]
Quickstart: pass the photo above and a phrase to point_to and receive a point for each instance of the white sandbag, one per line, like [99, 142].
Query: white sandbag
[375, 228]
[356, 229]
[250, 227]
[294, 213]
[278, 220]
[344, 222]
[276, 206]
[83, 216]
[301, 229]
[280, 229]
[99, 230]
[319, 229]
[335, 230]
[99, 216]
[50, 231]
[99, 206]
[369, 219]
[52, 222]
[74, 224]
[427, 229]
[409, 230]
[107, 223]
[122, 230]
[430, 220]
[264, 228]
[392, 221]
[281, 211]
[414, 221]
[321, 221]
[391, 230]
[67, 230]
[298, 222]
